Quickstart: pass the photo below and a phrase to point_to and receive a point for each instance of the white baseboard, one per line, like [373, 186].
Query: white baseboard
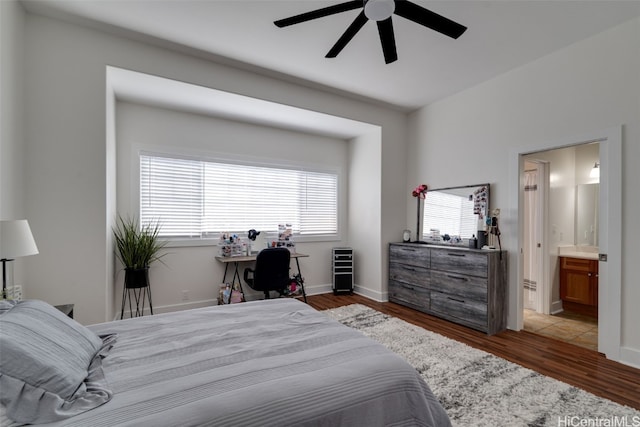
[309, 290]
[374, 295]
[170, 308]
[357, 289]
[318, 289]
[556, 307]
[630, 356]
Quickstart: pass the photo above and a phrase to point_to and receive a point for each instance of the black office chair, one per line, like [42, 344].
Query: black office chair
[271, 271]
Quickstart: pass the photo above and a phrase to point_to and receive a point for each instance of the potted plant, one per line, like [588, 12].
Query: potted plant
[137, 248]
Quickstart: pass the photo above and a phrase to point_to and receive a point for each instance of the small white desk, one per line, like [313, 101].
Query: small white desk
[236, 260]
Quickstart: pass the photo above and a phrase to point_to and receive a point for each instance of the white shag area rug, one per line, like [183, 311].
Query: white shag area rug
[479, 389]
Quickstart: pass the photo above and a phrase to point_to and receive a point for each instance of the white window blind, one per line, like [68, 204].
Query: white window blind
[195, 198]
[450, 214]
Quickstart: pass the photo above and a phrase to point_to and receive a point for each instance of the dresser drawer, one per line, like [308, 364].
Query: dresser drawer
[466, 262]
[461, 286]
[406, 294]
[471, 313]
[412, 275]
[410, 254]
[342, 263]
[579, 264]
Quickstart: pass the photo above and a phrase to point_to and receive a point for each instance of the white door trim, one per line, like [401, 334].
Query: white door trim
[544, 296]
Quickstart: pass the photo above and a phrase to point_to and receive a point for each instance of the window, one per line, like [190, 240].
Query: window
[194, 198]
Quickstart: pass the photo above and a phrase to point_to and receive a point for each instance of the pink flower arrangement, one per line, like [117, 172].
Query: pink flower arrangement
[420, 191]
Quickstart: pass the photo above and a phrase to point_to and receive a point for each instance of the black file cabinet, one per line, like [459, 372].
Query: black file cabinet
[342, 270]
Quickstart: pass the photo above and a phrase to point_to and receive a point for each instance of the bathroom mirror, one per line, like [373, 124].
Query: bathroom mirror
[586, 214]
[454, 210]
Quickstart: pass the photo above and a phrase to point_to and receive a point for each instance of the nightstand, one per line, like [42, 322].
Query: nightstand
[66, 309]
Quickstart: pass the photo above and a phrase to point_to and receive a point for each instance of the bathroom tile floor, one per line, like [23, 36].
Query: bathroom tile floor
[566, 326]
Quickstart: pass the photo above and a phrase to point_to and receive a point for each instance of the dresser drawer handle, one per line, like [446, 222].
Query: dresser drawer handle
[463, 279]
[460, 255]
[455, 299]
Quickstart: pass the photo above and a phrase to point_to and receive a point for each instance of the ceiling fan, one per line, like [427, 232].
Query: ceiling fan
[381, 12]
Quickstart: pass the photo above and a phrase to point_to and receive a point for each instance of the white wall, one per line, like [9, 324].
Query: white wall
[68, 188]
[365, 215]
[193, 268]
[12, 158]
[11, 105]
[589, 86]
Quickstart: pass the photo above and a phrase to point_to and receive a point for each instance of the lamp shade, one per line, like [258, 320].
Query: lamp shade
[16, 239]
[595, 171]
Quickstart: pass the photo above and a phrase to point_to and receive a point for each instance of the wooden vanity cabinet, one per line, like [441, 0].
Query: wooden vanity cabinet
[579, 285]
[466, 286]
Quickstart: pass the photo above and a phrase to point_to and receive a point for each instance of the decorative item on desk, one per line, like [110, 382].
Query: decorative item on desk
[406, 236]
[230, 245]
[251, 235]
[16, 241]
[285, 238]
[420, 193]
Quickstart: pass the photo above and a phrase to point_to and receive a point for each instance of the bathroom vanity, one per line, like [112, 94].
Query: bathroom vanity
[465, 286]
[579, 285]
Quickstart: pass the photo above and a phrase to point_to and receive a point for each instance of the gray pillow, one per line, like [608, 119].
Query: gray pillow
[50, 365]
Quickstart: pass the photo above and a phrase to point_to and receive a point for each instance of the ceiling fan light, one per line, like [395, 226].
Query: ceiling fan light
[379, 10]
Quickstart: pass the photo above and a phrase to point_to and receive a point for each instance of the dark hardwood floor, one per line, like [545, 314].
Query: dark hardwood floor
[583, 368]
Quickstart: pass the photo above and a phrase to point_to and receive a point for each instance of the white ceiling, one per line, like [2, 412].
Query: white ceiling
[502, 35]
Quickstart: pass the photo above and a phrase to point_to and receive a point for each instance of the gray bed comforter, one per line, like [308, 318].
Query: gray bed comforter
[263, 363]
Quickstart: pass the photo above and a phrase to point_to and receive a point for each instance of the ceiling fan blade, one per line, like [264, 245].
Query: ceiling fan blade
[319, 13]
[429, 19]
[353, 29]
[388, 40]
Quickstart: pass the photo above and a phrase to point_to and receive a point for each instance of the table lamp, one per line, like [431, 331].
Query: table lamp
[16, 241]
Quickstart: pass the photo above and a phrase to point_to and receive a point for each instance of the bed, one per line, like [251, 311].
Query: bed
[263, 363]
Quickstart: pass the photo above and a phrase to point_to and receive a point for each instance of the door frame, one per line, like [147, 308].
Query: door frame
[609, 239]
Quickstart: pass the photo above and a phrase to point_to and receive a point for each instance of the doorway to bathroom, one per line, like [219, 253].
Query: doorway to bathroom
[560, 224]
[609, 233]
